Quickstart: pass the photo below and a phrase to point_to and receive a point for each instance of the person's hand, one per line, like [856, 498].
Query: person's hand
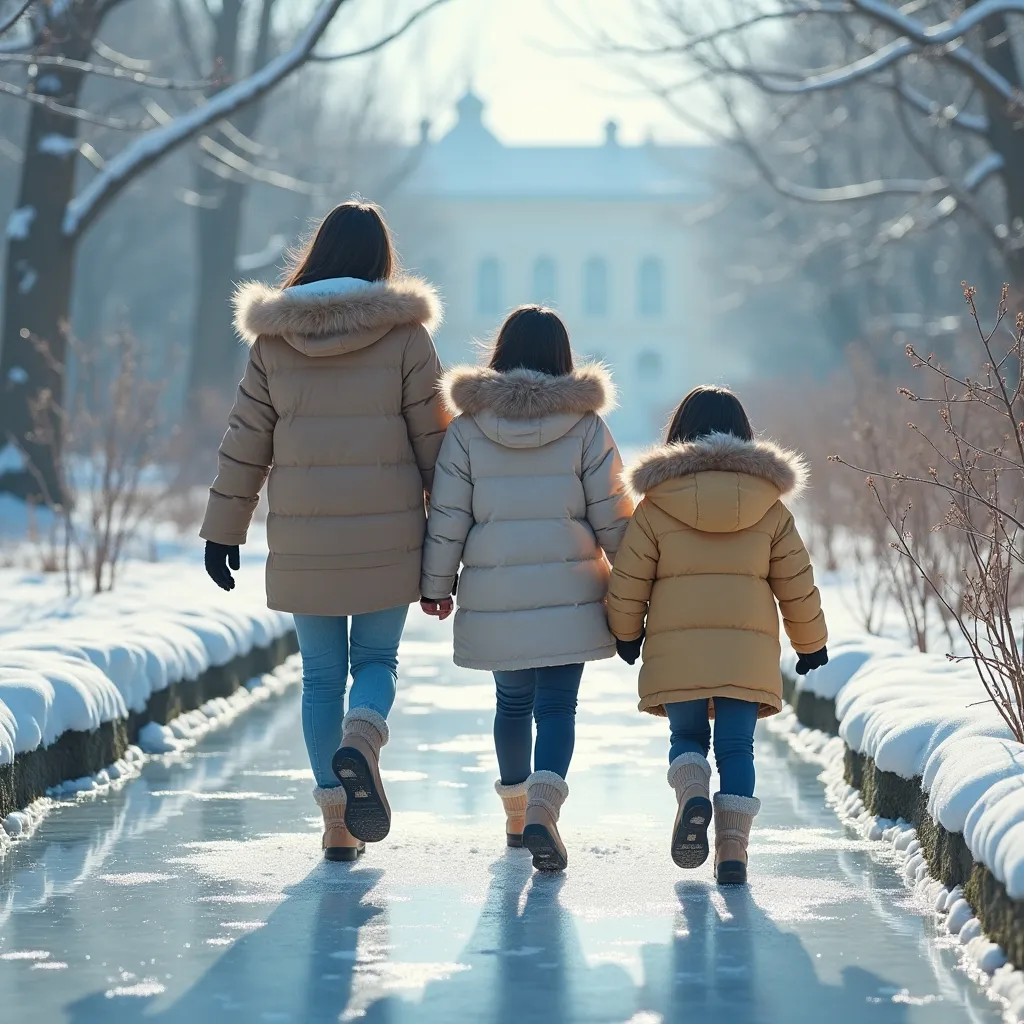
[807, 662]
[629, 650]
[219, 558]
[438, 609]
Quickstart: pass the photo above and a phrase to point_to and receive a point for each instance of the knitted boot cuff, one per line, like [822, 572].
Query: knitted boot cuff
[688, 766]
[749, 805]
[512, 790]
[358, 718]
[332, 797]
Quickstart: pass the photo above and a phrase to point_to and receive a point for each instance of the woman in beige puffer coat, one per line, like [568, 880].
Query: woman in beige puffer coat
[527, 497]
[339, 409]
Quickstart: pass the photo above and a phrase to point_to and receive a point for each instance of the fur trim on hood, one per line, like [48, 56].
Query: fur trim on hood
[722, 453]
[332, 308]
[528, 394]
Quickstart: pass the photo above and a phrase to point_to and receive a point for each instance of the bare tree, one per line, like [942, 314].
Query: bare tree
[977, 470]
[52, 217]
[886, 123]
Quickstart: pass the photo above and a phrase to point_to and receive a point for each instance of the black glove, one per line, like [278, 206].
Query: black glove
[629, 650]
[806, 662]
[218, 558]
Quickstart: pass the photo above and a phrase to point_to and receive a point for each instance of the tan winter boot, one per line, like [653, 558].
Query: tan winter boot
[733, 818]
[545, 794]
[338, 842]
[357, 765]
[690, 776]
[514, 799]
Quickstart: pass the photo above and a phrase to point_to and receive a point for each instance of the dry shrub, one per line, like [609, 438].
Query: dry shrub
[955, 509]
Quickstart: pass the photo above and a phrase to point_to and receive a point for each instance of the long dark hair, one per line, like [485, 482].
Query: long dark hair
[709, 409]
[532, 338]
[352, 241]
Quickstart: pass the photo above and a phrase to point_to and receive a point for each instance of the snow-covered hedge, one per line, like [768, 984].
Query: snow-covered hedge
[922, 718]
[75, 664]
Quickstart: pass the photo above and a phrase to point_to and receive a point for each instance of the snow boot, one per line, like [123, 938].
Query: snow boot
[545, 794]
[338, 842]
[514, 799]
[357, 765]
[690, 776]
[733, 818]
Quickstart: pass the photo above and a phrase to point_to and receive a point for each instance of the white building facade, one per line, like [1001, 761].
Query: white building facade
[598, 233]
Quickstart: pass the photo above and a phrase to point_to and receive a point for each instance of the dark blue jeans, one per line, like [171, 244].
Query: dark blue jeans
[547, 695]
[734, 738]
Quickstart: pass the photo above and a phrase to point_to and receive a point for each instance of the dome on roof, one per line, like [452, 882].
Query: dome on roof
[470, 108]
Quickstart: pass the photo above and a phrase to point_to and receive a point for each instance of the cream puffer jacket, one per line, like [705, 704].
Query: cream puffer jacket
[339, 406]
[527, 497]
[710, 550]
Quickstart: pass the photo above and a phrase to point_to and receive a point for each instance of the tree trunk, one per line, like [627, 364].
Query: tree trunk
[37, 299]
[1005, 135]
[216, 357]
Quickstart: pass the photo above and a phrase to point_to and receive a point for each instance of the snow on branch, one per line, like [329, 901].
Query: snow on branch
[156, 144]
[945, 32]
[77, 113]
[15, 16]
[945, 113]
[247, 169]
[991, 163]
[384, 40]
[132, 77]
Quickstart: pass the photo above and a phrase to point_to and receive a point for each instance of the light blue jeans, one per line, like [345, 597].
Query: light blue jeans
[328, 653]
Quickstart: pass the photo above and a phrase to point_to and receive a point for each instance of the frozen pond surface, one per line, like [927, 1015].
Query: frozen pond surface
[197, 893]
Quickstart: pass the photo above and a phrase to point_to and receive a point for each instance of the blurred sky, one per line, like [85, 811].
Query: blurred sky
[528, 59]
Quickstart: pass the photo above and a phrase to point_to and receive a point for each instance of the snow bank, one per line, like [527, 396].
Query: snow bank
[985, 961]
[920, 716]
[76, 663]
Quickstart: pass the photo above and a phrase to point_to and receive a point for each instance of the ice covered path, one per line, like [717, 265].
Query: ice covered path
[197, 893]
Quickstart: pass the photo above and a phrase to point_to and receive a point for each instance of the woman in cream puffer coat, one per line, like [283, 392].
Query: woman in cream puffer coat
[527, 497]
[338, 414]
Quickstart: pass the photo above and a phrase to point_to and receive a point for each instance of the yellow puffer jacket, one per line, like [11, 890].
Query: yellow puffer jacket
[708, 552]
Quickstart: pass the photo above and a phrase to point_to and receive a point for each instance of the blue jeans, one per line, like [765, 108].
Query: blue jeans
[734, 738]
[547, 695]
[324, 643]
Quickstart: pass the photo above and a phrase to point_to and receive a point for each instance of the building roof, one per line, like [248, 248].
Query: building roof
[471, 162]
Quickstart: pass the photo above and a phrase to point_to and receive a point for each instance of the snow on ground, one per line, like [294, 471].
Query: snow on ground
[922, 716]
[984, 960]
[178, 735]
[76, 662]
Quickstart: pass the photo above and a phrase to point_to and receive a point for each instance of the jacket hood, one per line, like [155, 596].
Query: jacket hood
[719, 483]
[525, 408]
[337, 315]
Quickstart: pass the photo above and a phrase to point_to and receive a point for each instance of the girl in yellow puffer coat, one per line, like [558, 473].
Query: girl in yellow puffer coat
[709, 551]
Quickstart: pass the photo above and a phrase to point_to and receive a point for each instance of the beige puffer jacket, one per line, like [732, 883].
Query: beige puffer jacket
[710, 551]
[527, 495]
[339, 405]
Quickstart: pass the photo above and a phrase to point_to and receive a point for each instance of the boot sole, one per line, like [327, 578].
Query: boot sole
[731, 872]
[366, 814]
[690, 839]
[514, 841]
[546, 855]
[343, 854]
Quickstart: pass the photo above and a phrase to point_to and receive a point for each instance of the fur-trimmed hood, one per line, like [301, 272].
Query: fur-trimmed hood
[746, 479]
[525, 408]
[528, 394]
[335, 315]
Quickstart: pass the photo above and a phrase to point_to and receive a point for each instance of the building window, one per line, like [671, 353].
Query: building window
[651, 287]
[545, 283]
[595, 287]
[649, 364]
[488, 286]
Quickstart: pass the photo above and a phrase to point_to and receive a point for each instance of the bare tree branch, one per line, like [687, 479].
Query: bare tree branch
[383, 41]
[133, 77]
[156, 144]
[15, 16]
